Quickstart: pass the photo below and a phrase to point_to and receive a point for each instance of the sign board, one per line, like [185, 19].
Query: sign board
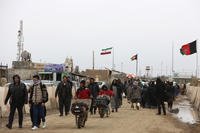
[148, 68]
[54, 68]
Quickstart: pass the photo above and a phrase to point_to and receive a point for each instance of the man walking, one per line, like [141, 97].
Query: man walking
[160, 96]
[18, 96]
[94, 89]
[37, 100]
[64, 93]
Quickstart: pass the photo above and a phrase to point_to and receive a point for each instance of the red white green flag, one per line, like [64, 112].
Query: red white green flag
[106, 51]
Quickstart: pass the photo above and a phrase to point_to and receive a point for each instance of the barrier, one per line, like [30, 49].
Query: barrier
[4, 109]
[194, 95]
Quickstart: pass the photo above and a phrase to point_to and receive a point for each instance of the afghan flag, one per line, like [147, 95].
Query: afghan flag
[189, 48]
[106, 51]
[134, 57]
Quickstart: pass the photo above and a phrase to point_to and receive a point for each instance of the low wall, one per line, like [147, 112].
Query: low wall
[4, 109]
[193, 92]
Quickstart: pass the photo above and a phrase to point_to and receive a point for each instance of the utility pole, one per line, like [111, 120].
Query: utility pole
[122, 66]
[93, 60]
[161, 69]
[172, 59]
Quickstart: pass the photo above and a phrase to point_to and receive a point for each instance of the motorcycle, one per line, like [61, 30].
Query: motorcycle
[80, 110]
[102, 103]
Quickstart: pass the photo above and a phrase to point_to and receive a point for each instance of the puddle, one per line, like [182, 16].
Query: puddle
[185, 112]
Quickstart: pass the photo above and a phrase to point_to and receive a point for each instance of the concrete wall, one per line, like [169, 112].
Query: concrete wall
[52, 104]
[193, 92]
[4, 109]
[25, 74]
[101, 75]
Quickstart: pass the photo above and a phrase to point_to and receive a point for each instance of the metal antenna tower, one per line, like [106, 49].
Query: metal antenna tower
[20, 43]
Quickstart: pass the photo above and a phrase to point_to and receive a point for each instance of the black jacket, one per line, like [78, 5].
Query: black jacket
[94, 89]
[170, 91]
[45, 96]
[160, 91]
[18, 95]
[120, 88]
[64, 91]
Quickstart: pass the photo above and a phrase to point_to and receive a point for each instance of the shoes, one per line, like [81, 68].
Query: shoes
[112, 110]
[61, 115]
[34, 128]
[20, 126]
[8, 126]
[66, 113]
[44, 124]
[132, 106]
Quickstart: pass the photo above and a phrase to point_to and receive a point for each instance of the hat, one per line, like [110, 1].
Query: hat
[82, 82]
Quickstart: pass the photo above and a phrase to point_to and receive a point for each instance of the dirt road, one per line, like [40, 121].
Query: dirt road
[126, 120]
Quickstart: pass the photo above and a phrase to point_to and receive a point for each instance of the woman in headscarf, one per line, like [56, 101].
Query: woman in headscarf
[115, 100]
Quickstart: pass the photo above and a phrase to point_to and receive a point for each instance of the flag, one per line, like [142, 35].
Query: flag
[135, 57]
[189, 48]
[106, 51]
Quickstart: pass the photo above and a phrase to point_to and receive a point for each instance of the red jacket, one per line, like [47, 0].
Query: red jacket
[83, 93]
[106, 92]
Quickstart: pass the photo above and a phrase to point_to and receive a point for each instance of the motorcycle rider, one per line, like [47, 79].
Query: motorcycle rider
[83, 96]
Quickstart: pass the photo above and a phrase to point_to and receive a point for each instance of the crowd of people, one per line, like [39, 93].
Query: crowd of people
[151, 94]
[139, 94]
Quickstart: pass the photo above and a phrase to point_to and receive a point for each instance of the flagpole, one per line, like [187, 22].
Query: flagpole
[197, 59]
[93, 59]
[172, 59]
[113, 60]
[137, 65]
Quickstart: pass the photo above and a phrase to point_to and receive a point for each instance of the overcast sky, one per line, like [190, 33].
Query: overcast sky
[55, 29]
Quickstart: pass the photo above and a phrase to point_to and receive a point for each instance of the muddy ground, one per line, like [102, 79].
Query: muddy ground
[126, 120]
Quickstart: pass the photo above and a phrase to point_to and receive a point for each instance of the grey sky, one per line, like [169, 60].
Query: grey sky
[55, 29]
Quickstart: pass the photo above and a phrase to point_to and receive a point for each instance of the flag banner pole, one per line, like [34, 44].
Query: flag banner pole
[93, 60]
[137, 65]
[197, 59]
[172, 59]
[113, 58]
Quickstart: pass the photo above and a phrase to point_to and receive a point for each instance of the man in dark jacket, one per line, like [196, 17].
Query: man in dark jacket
[18, 96]
[120, 88]
[160, 96]
[64, 93]
[170, 94]
[94, 89]
[152, 94]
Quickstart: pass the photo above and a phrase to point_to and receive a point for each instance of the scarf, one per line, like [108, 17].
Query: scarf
[36, 82]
